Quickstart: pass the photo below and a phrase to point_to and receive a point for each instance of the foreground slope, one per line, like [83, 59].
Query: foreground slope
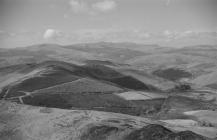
[22, 122]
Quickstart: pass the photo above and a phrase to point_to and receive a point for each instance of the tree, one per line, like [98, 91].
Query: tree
[183, 87]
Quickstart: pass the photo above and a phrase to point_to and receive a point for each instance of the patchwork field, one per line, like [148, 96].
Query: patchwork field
[139, 95]
[83, 85]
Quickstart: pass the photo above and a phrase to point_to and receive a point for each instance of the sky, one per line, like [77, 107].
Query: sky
[164, 22]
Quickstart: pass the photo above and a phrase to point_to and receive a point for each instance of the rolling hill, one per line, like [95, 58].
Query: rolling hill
[51, 123]
[108, 91]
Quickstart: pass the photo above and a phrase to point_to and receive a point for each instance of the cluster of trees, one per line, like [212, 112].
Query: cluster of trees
[183, 87]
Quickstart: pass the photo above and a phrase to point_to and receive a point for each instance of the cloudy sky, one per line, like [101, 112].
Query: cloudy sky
[163, 22]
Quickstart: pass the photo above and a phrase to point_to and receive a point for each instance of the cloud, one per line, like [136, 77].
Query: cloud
[104, 6]
[167, 37]
[110, 35]
[167, 33]
[5, 35]
[92, 8]
[168, 2]
[78, 6]
[196, 35]
[51, 34]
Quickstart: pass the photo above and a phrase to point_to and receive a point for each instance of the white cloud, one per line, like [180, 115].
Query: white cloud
[110, 35]
[104, 6]
[167, 32]
[78, 6]
[129, 35]
[169, 35]
[51, 34]
[4, 34]
[188, 32]
[92, 8]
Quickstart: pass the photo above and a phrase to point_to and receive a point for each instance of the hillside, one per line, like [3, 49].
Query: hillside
[108, 91]
[55, 124]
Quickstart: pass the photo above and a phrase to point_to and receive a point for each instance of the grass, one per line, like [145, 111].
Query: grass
[98, 72]
[150, 106]
[172, 74]
[158, 132]
[84, 85]
[104, 73]
[213, 86]
[103, 102]
[182, 103]
[35, 83]
[60, 72]
[95, 101]
[131, 83]
[99, 132]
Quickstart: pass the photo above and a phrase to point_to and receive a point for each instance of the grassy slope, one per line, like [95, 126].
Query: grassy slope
[84, 85]
[56, 124]
[51, 78]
